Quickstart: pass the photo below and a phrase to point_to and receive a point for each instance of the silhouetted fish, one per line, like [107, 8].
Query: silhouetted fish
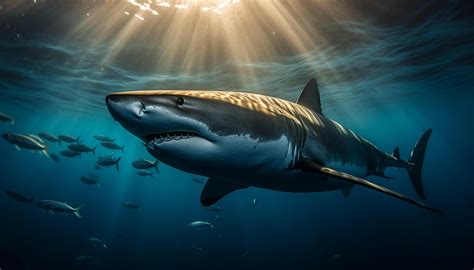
[103, 138]
[145, 164]
[131, 205]
[49, 137]
[111, 145]
[89, 180]
[19, 197]
[69, 139]
[109, 161]
[70, 153]
[144, 173]
[54, 157]
[200, 225]
[24, 141]
[61, 207]
[81, 148]
[97, 242]
[7, 118]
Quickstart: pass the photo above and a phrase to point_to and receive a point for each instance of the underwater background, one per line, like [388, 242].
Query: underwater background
[388, 70]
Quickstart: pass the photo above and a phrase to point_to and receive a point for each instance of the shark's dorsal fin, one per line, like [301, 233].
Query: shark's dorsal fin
[216, 189]
[310, 97]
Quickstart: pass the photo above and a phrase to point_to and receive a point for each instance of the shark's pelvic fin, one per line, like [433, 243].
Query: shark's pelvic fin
[216, 189]
[310, 97]
[347, 190]
[315, 167]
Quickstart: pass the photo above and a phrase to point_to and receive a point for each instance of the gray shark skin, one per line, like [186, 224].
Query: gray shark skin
[240, 140]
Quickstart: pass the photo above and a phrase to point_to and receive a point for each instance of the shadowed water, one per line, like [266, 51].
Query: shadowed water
[400, 70]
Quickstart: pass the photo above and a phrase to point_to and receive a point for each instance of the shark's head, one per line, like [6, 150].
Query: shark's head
[197, 131]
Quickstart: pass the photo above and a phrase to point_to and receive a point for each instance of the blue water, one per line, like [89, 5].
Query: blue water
[405, 67]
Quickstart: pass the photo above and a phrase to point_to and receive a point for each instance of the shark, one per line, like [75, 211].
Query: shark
[240, 140]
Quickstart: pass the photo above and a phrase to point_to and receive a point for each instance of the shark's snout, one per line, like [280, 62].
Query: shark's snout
[127, 110]
[112, 105]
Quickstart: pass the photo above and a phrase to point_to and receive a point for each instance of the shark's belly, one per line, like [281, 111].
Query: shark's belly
[296, 181]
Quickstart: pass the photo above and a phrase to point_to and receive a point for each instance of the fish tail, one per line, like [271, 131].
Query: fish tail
[45, 152]
[117, 163]
[77, 211]
[93, 149]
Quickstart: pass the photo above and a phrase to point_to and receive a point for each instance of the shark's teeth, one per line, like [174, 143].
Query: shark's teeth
[154, 139]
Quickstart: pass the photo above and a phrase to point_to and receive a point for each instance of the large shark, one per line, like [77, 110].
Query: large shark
[240, 140]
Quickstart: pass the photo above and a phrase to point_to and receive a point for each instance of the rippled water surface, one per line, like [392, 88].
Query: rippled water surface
[387, 70]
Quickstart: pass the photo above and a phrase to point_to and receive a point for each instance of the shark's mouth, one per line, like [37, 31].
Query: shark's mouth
[158, 138]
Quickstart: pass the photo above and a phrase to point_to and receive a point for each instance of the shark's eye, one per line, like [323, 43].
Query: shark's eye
[180, 101]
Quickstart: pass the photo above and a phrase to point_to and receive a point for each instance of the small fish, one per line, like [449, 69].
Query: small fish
[24, 141]
[62, 207]
[111, 145]
[36, 138]
[84, 258]
[145, 164]
[97, 242]
[19, 197]
[49, 137]
[131, 205]
[81, 148]
[144, 173]
[89, 180]
[69, 139]
[103, 138]
[70, 153]
[109, 161]
[213, 208]
[200, 225]
[6, 118]
[198, 180]
[54, 157]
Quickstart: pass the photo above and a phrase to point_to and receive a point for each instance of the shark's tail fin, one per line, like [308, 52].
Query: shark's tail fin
[93, 149]
[416, 163]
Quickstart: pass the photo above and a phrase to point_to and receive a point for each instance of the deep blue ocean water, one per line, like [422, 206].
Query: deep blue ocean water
[398, 69]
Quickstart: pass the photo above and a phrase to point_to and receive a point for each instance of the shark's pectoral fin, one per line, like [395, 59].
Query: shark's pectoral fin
[216, 189]
[307, 164]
